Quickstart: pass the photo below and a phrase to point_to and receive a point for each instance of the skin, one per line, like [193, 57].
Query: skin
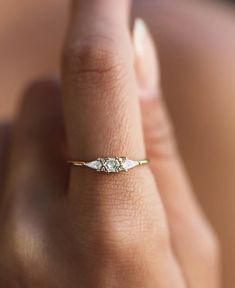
[197, 65]
[89, 229]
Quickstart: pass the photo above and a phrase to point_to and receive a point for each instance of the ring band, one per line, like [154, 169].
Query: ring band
[110, 164]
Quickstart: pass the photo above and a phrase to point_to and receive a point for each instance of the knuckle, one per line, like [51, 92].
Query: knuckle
[92, 60]
[125, 242]
[133, 237]
[131, 219]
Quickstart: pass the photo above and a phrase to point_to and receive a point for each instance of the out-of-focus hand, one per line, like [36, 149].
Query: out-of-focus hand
[88, 229]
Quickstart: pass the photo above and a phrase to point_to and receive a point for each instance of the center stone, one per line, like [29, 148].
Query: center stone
[112, 165]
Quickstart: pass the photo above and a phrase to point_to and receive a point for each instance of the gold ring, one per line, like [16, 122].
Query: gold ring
[110, 164]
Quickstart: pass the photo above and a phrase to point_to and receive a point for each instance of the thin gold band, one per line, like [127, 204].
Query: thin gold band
[77, 163]
[110, 164]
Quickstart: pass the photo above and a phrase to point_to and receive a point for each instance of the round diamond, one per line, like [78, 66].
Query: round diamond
[112, 165]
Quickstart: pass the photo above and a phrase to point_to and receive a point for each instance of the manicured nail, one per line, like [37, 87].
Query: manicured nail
[147, 68]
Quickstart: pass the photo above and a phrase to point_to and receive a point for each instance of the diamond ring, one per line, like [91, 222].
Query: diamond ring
[110, 164]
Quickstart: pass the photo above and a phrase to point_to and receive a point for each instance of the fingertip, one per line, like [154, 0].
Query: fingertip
[42, 86]
[146, 61]
[41, 97]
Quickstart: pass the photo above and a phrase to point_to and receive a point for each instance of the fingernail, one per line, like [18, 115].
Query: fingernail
[147, 68]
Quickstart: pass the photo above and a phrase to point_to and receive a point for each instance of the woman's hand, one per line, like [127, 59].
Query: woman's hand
[135, 229]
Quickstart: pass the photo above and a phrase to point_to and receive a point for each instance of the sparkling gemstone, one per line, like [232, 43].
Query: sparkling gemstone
[94, 164]
[128, 164]
[112, 164]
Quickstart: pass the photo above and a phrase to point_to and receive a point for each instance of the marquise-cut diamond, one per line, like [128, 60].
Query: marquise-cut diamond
[128, 164]
[94, 165]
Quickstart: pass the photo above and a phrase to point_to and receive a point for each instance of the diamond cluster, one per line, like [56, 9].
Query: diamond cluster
[112, 164]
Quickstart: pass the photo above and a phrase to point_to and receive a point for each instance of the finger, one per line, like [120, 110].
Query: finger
[102, 112]
[101, 106]
[192, 239]
[114, 212]
[37, 170]
[5, 135]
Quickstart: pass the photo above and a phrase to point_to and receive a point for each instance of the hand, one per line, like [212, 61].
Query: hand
[88, 229]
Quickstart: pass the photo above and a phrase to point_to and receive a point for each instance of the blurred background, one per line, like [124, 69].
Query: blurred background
[196, 44]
